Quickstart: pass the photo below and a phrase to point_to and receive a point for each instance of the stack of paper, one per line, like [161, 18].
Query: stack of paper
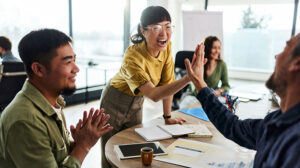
[191, 153]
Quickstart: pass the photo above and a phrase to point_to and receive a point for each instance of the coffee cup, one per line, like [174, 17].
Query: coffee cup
[146, 155]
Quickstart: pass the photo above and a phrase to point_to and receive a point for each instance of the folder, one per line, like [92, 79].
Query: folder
[197, 112]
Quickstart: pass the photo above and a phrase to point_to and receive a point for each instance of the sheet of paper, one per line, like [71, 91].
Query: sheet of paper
[186, 152]
[211, 155]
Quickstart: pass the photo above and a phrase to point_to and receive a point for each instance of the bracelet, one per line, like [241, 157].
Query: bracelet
[167, 117]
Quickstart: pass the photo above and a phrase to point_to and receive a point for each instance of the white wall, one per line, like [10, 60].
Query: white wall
[197, 25]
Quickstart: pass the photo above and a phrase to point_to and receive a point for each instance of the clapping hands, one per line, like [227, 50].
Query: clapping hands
[89, 129]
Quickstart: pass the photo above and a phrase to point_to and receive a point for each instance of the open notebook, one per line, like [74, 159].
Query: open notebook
[160, 132]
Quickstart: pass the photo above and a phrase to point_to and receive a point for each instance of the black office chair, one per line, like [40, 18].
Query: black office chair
[12, 78]
[180, 71]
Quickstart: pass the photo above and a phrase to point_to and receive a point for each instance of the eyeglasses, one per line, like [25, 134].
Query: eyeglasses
[158, 28]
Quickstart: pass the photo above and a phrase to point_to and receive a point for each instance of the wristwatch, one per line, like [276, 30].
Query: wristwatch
[167, 117]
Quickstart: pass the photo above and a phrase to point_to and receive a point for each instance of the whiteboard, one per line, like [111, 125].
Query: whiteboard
[199, 24]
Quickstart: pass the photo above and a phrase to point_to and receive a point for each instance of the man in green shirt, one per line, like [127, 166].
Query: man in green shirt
[32, 128]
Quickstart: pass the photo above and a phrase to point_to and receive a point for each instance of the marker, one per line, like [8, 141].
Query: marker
[191, 149]
[227, 103]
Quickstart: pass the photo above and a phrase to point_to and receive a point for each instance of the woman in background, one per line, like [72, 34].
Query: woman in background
[147, 70]
[215, 69]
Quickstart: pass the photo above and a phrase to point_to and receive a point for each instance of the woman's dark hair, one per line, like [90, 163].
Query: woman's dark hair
[40, 46]
[150, 15]
[208, 43]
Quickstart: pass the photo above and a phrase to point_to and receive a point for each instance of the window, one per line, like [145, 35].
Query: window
[98, 29]
[190, 5]
[298, 21]
[254, 32]
[136, 9]
[20, 17]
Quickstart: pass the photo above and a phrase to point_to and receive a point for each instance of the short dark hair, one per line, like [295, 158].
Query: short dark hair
[150, 15]
[40, 46]
[5, 43]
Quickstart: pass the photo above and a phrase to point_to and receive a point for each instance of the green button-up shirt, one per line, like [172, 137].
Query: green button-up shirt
[31, 133]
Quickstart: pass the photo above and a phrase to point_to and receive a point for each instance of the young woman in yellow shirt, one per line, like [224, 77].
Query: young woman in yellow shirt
[147, 70]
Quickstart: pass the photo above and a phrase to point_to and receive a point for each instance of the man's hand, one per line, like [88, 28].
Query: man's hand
[195, 70]
[88, 131]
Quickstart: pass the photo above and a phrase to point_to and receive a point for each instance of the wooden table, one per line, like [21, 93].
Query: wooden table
[130, 136]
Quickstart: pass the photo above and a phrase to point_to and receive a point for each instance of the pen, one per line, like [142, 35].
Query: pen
[191, 149]
[228, 103]
[229, 100]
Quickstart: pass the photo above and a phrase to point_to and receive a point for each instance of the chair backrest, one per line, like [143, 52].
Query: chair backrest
[12, 78]
[180, 56]
[180, 72]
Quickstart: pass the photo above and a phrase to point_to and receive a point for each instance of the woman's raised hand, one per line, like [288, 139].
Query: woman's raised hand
[195, 70]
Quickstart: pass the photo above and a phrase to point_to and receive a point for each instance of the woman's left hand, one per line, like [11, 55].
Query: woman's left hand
[176, 120]
[218, 93]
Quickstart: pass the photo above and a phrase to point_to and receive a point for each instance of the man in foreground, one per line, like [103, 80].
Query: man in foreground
[276, 138]
[32, 127]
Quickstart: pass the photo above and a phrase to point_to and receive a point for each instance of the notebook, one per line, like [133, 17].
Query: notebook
[160, 132]
[247, 95]
[200, 130]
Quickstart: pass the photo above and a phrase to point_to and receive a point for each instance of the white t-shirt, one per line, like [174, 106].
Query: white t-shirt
[59, 114]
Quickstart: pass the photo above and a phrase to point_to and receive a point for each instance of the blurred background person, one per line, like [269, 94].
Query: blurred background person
[5, 50]
[215, 70]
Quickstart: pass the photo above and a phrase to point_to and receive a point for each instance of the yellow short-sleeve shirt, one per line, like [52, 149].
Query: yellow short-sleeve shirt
[139, 67]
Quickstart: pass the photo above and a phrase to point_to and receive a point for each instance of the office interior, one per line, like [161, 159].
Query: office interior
[254, 31]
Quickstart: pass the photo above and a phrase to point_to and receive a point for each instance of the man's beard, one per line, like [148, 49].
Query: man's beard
[276, 85]
[68, 91]
[270, 84]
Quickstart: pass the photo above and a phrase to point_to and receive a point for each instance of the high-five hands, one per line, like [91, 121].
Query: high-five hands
[195, 70]
[88, 131]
